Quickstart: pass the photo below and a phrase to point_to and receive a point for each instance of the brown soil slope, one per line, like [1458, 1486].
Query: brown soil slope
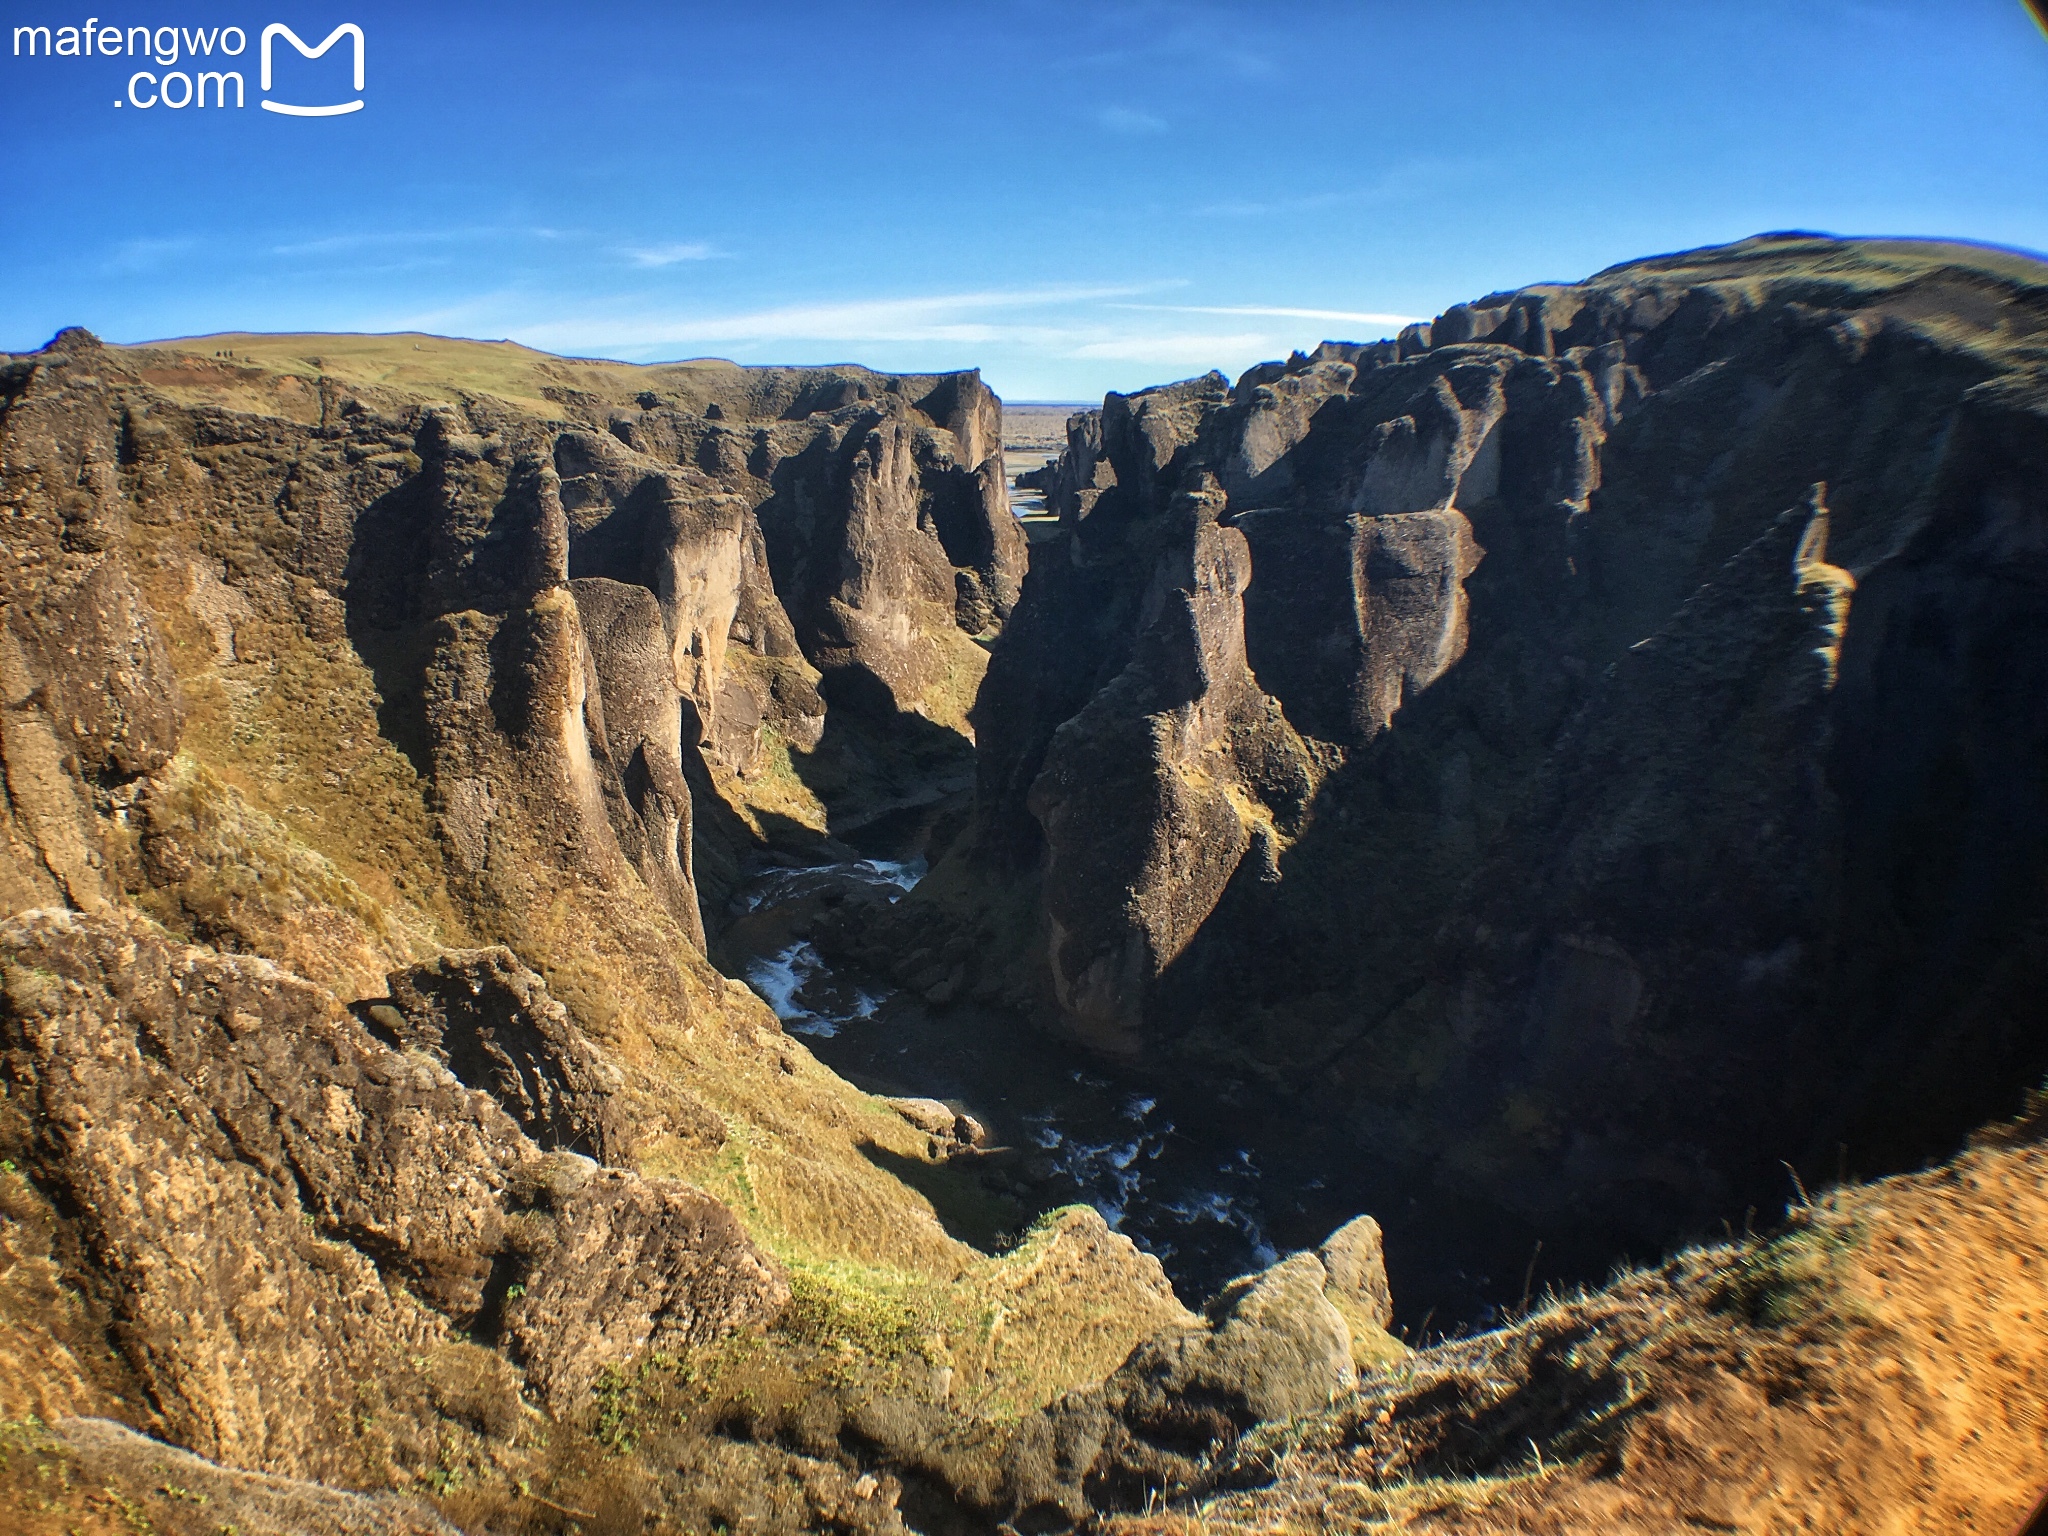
[1879, 1368]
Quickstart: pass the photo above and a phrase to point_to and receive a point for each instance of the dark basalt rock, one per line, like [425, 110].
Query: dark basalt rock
[1135, 796]
[1608, 739]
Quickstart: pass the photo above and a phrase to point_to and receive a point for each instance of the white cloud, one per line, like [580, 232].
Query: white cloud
[1177, 351]
[948, 317]
[1070, 341]
[356, 240]
[669, 255]
[1360, 317]
[1128, 121]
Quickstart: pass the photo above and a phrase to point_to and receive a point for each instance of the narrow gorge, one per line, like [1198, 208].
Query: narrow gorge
[1452, 939]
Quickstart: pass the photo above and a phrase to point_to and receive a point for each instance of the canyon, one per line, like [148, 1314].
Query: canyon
[1452, 940]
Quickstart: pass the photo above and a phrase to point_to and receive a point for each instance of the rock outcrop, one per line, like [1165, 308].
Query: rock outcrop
[617, 1265]
[1829, 1375]
[1592, 726]
[1354, 1260]
[88, 698]
[1271, 1347]
[490, 1021]
[635, 712]
[1138, 797]
[857, 526]
[1277, 1348]
[278, 1205]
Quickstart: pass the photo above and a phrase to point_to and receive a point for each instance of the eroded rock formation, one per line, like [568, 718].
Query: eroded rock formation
[731, 567]
[368, 1110]
[1563, 759]
[1271, 1347]
[490, 1021]
[1515, 733]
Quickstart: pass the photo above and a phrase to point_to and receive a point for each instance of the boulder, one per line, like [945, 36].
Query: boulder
[491, 1021]
[941, 1121]
[1355, 1262]
[1354, 1259]
[1270, 1346]
[1275, 1348]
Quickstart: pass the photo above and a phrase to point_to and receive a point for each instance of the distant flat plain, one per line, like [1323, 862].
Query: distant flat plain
[1033, 434]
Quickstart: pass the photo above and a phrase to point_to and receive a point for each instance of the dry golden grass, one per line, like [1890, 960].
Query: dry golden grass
[1877, 1369]
[271, 372]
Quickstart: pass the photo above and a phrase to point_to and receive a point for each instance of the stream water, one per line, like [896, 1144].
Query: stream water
[1159, 1172]
[1213, 1189]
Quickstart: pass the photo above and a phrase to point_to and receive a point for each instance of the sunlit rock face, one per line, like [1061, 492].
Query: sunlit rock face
[1594, 721]
[369, 1109]
[854, 524]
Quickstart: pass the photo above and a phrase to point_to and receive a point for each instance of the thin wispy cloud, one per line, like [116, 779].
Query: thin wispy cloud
[146, 255]
[356, 240]
[1173, 350]
[1131, 122]
[669, 255]
[1359, 317]
[1125, 328]
[947, 317]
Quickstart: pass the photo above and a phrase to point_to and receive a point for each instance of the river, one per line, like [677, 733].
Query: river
[1061, 1132]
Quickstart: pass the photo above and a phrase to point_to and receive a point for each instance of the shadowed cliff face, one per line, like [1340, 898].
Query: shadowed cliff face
[1583, 752]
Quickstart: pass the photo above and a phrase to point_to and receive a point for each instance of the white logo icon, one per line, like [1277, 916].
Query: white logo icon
[347, 29]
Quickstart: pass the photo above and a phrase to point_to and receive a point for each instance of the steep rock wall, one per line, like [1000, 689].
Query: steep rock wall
[1669, 790]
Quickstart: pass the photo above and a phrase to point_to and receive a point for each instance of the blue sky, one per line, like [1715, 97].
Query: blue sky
[1072, 196]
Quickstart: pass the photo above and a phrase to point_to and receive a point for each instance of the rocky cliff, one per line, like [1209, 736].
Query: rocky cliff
[1561, 761]
[1582, 752]
[369, 1112]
